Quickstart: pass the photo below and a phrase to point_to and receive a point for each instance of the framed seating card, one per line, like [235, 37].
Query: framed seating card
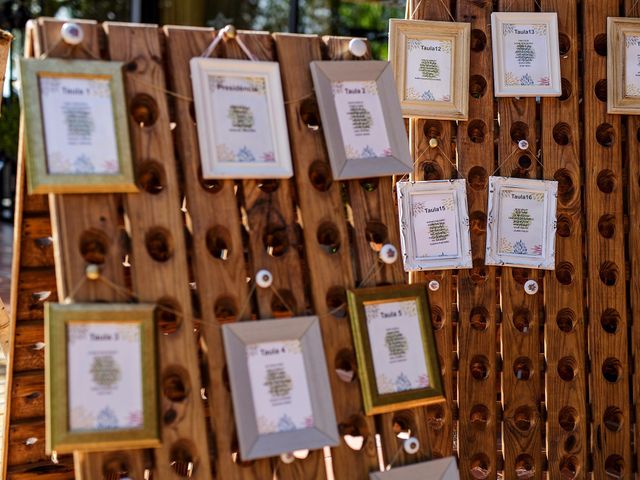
[100, 377]
[521, 223]
[431, 66]
[439, 469]
[623, 66]
[242, 126]
[526, 56]
[394, 322]
[280, 387]
[76, 124]
[434, 225]
[361, 118]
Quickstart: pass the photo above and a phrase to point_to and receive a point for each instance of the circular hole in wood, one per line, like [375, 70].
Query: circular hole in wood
[210, 185]
[167, 315]
[564, 44]
[600, 44]
[437, 318]
[269, 185]
[519, 131]
[432, 171]
[476, 130]
[525, 468]
[336, 300]
[564, 273]
[175, 384]
[569, 468]
[283, 304]
[328, 237]
[144, 110]
[479, 467]
[605, 135]
[169, 416]
[477, 178]
[218, 242]
[613, 419]
[567, 368]
[568, 419]
[607, 225]
[115, 468]
[522, 319]
[522, 368]
[566, 319]
[570, 443]
[600, 90]
[275, 240]
[435, 417]
[479, 367]
[609, 320]
[151, 177]
[562, 133]
[520, 275]
[376, 234]
[524, 162]
[225, 309]
[432, 129]
[94, 246]
[564, 226]
[523, 418]
[345, 365]
[181, 459]
[477, 86]
[159, 244]
[609, 274]
[478, 223]
[479, 417]
[478, 40]
[479, 318]
[369, 184]
[606, 181]
[478, 272]
[320, 175]
[566, 185]
[614, 466]
[401, 424]
[309, 113]
[612, 370]
[567, 89]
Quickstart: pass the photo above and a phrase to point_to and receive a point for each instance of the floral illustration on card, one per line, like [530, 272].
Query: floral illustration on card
[81, 419]
[107, 419]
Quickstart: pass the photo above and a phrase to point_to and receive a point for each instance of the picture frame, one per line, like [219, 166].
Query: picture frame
[395, 323]
[438, 55]
[521, 222]
[361, 119]
[241, 120]
[623, 68]
[526, 55]
[439, 469]
[76, 127]
[279, 386]
[100, 367]
[439, 209]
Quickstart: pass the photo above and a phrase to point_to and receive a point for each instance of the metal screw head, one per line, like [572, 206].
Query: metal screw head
[523, 144]
[434, 285]
[287, 457]
[358, 47]
[433, 143]
[264, 278]
[71, 33]
[531, 287]
[388, 254]
[411, 445]
[92, 271]
[229, 32]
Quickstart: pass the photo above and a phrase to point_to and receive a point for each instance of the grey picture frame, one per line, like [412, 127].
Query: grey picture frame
[253, 445]
[441, 469]
[324, 74]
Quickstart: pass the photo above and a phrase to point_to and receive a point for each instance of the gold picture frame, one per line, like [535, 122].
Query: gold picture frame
[61, 153]
[405, 372]
[72, 323]
[623, 94]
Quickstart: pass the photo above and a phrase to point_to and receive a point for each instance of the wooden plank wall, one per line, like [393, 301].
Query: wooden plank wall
[542, 386]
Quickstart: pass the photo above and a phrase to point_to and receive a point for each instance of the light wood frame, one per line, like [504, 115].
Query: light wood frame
[325, 73]
[307, 330]
[374, 402]
[438, 469]
[549, 188]
[501, 89]
[618, 101]
[212, 166]
[59, 437]
[406, 192]
[400, 33]
[39, 180]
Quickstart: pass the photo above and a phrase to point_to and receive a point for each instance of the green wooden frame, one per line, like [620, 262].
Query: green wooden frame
[58, 436]
[39, 180]
[375, 403]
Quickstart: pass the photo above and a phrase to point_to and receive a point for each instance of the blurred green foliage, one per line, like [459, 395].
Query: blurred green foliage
[9, 127]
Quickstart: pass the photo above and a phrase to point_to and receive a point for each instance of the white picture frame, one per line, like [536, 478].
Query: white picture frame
[439, 469]
[293, 349]
[438, 207]
[241, 120]
[521, 222]
[623, 68]
[526, 60]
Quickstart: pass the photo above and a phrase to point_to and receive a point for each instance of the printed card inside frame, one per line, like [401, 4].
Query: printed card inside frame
[508, 83]
[79, 165]
[375, 112]
[623, 66]
[536, 198]
[135, 324]
[300, 340]
[439, 469]
[258, 123]
[451, 207]
[410, 367]
[451, 37]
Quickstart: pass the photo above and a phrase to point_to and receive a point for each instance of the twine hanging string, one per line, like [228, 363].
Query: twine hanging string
[516, 150]
[415, 9]
[632, 9]
[68, 51]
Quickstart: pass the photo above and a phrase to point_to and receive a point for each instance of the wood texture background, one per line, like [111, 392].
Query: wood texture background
[541, 386]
